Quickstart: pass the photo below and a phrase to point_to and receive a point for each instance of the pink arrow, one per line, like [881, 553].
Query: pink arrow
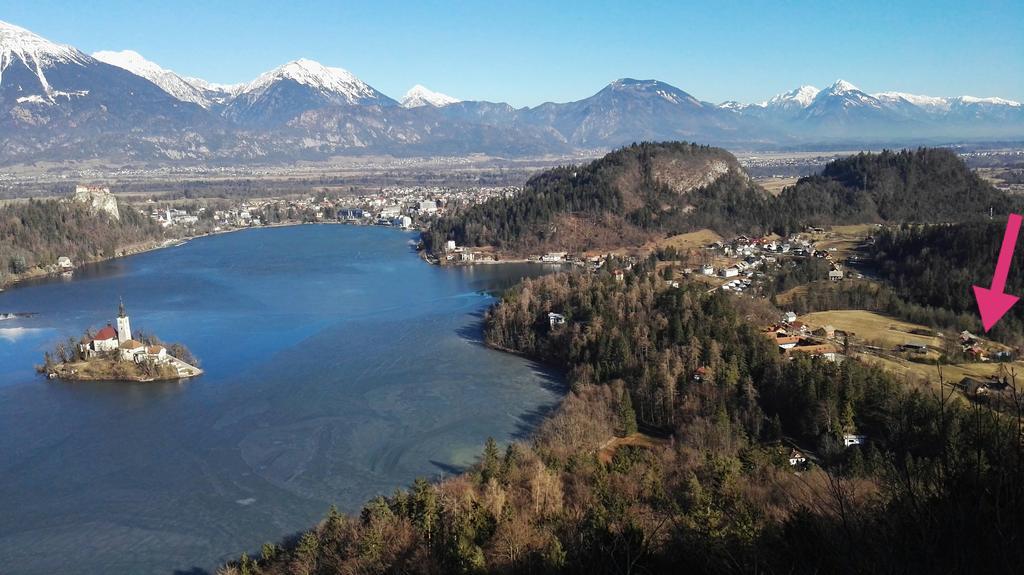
[992, 302]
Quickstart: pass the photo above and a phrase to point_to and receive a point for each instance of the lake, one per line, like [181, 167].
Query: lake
[338, 366]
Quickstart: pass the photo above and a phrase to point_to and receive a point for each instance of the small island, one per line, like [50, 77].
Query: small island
[112, 354]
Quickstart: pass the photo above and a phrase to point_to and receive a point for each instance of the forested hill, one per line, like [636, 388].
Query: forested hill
[923, 185]
[623, 199]
[935, 267]
[35, 233]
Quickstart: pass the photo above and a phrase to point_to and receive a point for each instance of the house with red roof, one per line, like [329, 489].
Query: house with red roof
[104, 340]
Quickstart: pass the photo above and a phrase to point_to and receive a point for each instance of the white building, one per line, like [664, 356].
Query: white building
[797, 458]
[707, 269]
[556, 319]
[130, 349]
[64, 263]
[105, 340]
[730, 272]
[850, 439]
[553, 257]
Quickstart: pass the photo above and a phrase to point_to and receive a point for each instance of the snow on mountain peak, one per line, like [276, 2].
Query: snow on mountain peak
[842, 86]
[800, 97]
[420, 95]
[211, 86]
[333, 81]
[166, 80]
[915, 99]
[37, 53]
[990, 101]
[129, 60]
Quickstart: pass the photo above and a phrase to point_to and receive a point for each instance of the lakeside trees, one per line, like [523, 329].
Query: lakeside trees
[936, 487]
[37, 232]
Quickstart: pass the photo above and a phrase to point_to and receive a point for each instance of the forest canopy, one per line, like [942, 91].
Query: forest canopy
[38, 232]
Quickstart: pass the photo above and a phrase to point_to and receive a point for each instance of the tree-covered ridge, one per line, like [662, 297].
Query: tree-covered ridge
[935, 266]
[923, 186]
[937, 487]
[638, 186]
[37, 232]
[926, 185]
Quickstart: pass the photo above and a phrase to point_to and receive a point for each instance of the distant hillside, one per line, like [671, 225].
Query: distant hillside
[624, 198]
[651, 190]
[927, 185]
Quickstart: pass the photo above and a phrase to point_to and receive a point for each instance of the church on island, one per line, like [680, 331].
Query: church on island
[120, 340]
[114, 354]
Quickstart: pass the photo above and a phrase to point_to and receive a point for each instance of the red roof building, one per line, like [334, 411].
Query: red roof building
[106, 333]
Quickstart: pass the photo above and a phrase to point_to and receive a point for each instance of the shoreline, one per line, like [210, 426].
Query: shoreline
[146, 247]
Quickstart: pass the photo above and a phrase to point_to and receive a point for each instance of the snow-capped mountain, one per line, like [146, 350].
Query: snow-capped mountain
[841, 97]
[59, 103]
[46, 87]
[923, 102]
[285, 92]
[420, 95]
[797, 99]
[167, 80]
[25, 60]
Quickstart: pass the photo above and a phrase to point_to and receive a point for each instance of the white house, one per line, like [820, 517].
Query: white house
[105, 340]
[64, 263]
[131, 349]
[553, 257]
[835, 275]
[850, 439]
[790, 317]
[730, 272]
[556, 319]
[707, 269]
[797, 458]
[449, 246]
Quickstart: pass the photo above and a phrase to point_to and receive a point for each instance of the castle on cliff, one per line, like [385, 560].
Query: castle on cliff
[98, 198]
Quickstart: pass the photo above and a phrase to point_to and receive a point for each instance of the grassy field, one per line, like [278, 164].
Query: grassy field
[682, 242]
[843, 239]
[774, 186]
[872, 328]
[921, 372]
[869, 328]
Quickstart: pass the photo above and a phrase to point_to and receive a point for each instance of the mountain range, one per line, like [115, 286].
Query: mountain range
[58, 103]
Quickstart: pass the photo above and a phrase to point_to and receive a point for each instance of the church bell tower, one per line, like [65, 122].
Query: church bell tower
[124, 327]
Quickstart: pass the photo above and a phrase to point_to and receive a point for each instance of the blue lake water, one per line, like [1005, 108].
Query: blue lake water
[338, 366]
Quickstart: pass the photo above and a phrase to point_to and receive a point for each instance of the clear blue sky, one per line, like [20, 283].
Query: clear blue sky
[527, 52]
